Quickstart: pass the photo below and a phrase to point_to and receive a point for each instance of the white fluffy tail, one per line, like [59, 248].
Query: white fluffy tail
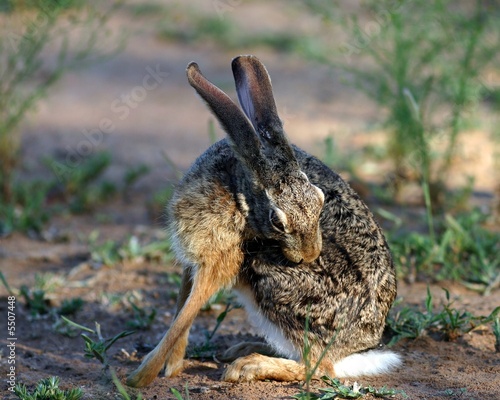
[371, 362]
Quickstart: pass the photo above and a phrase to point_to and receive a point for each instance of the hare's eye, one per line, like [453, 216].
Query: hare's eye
[276, 221]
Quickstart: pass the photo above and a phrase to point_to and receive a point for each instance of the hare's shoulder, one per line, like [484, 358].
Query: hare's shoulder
[218, 156]
[217, 163]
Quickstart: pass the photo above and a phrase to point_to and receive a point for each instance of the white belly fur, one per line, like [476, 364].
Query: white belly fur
[271, 332]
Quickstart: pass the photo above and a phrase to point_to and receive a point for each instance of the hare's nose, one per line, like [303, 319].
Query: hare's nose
[312, 254]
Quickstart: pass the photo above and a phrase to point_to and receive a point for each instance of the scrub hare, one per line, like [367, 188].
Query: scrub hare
[288, 234]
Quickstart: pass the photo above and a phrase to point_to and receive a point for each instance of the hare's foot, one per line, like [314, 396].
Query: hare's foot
[258, 367]
[175, 361]
[173, 369]
[245, 349]
[169, 352]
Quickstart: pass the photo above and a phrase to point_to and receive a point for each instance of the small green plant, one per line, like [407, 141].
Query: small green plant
[70, 306]
[103, 253]
[35, 300]
[496, 332]
[221, 317]
[80, 186]
[61, 327]
[97, 348]
[464, 250]
[131, 250]
[410, 323]
[48, 282]
[27, 210]
[142, 319]
[221, 297]
[207, 348]
[47, 389]
[337, 390]
[310, 370]
[450, 322]
[455, 393]
[132, 175]
[178, 394]
[121, 389]
[5, 283]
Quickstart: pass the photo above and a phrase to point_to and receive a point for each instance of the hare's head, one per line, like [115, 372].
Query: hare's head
[285, 206]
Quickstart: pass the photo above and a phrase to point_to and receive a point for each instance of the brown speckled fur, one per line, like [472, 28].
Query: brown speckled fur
[328, 262]
[348, 290]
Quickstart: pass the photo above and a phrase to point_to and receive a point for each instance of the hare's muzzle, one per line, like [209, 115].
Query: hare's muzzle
[313, 253]
[307, 251]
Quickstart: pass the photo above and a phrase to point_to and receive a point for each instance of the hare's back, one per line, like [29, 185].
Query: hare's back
[217, 163]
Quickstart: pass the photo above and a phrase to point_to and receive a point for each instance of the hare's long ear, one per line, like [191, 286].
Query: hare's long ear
[255, 93]
[242, 136]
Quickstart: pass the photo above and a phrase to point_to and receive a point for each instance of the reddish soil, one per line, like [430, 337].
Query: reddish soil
[433, 368]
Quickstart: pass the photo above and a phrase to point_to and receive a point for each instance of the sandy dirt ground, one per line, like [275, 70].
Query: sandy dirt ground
[433, 368]
[170, 119]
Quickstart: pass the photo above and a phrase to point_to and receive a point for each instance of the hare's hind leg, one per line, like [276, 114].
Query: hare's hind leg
[204, 286]
[257, 367]
[175, 360]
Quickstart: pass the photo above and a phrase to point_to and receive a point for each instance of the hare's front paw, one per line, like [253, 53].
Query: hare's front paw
[245, 349]
[258, 367]
[173, 368]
